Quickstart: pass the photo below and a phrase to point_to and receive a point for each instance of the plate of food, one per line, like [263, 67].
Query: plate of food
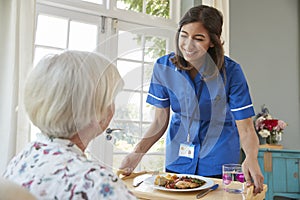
[181, 182]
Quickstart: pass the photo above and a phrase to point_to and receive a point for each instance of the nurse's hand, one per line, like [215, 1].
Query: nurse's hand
[253, 175]
[130, 162]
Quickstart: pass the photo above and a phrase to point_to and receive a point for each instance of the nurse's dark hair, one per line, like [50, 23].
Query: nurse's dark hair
[212, 20]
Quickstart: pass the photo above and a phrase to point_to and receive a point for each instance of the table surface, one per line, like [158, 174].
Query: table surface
[146, 191]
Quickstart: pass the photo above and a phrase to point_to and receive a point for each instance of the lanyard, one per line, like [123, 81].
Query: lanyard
[192, 116]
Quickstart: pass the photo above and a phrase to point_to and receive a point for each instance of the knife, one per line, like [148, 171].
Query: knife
[139, 179]
[202, 194]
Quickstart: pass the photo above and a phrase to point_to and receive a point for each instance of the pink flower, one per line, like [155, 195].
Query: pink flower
[281, 125]
[259, 123]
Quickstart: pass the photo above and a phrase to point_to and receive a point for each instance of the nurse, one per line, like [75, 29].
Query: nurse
[211, 105]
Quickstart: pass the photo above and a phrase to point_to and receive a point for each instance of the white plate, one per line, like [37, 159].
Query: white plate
[207, 185]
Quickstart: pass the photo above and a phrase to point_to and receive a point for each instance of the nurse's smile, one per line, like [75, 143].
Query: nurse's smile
[194, 42]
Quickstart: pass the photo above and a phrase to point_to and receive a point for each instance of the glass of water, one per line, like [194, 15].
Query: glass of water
[233, 178]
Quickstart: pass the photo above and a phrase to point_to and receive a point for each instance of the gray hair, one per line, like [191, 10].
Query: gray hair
[66, 92]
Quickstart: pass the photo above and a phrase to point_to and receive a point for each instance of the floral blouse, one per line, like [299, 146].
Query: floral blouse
[58, 169]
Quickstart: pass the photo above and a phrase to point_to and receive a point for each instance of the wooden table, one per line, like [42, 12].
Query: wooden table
[145, 191]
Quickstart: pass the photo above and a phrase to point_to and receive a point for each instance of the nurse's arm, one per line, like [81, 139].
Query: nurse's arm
[250, 145]
[156, 130]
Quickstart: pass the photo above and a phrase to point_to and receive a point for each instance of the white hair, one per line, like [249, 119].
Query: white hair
[66, 92]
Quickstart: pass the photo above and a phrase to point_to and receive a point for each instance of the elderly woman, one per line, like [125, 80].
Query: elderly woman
[70, 98]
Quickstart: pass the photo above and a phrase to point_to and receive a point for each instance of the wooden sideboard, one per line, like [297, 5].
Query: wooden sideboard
[281, 170]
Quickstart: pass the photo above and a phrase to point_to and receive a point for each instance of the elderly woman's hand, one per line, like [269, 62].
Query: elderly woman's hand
[253, 174]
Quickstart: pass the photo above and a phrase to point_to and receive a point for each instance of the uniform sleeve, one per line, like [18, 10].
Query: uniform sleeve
[239, 96]
[158, 94]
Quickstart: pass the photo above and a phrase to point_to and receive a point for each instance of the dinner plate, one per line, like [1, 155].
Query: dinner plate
[209, 183]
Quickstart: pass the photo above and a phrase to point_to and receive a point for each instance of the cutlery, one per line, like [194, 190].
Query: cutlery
[205, 192]
[140, 179]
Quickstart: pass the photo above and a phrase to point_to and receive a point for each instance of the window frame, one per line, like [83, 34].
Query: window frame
[110, 10]
[114, 19]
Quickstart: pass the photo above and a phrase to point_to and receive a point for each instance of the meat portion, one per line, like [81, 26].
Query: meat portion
[174, 182]
[186, 185]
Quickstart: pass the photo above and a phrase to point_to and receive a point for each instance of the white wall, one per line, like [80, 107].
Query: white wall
[264, 39]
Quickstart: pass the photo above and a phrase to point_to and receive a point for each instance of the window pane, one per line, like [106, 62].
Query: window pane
[159, 8]
[82, 36]
[134, 5]
[51, 31]
[148, 69]
[153, 163]
[128, 106]
[131, 72]
[129, 46]
[127, 138]
[94, 1]
[155, 47]
[40, 52]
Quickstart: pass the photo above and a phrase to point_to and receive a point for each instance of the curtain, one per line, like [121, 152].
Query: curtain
[223, 6]
[17, 20]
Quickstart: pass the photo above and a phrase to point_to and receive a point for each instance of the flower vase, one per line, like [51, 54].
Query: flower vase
[262, 140]
[274, 138]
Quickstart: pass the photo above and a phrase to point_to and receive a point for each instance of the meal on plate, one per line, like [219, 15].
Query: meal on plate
[172, 181]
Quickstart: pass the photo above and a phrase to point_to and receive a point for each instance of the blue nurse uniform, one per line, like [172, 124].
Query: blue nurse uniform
[204, 110]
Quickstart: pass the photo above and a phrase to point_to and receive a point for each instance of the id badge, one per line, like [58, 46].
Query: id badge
[186, 150]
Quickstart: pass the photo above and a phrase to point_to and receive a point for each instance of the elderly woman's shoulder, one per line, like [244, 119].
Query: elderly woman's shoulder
[101, 182]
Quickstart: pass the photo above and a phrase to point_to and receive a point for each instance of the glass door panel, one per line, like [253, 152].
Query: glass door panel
[138, 48]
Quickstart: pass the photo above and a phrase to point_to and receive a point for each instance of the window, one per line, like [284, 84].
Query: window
[66, 33]
[135, 61]
[132, 43]
[158, 8]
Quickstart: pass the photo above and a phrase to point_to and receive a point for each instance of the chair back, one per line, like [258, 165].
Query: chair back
[12, 191]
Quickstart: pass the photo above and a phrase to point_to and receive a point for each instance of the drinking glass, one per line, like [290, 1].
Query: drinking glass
[233, 178]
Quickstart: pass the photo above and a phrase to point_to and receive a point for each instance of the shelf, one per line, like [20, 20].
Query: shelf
[270, 146]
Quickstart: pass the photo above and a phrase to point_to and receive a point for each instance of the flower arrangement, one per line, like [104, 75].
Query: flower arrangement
[268, 128]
